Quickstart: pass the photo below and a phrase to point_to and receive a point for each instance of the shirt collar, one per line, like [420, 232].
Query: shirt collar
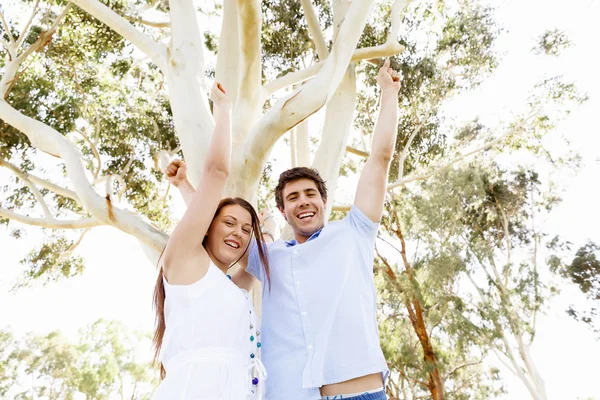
[293, 242]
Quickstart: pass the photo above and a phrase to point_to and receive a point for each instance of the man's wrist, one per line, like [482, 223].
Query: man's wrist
[266, 232]
[266, 219]
[389, 91]
[183, 183]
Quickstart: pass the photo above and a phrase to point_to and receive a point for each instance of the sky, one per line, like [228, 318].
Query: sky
[118, 280]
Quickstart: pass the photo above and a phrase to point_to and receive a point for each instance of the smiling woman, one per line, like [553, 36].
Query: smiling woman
[229, 234]
[207, 334]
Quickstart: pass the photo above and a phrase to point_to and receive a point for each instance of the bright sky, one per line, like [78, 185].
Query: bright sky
[118, 281]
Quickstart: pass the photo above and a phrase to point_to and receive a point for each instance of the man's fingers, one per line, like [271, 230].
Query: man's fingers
[171, 172]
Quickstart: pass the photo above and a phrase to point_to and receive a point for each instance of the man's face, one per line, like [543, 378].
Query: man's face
[303, 208]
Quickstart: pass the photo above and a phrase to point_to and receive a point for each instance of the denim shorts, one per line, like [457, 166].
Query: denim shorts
[366, 396]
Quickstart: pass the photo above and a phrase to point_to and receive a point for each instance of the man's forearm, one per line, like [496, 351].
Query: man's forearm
[187, 191]
[386, 128]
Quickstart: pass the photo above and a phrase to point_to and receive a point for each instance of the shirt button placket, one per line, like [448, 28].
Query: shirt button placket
[308, 334]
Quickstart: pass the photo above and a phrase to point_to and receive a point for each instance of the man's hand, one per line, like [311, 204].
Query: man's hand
[269, 225]
[388, 79]
[263, 215]
[176, 173]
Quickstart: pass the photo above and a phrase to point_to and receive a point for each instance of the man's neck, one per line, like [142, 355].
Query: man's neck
[303, 238]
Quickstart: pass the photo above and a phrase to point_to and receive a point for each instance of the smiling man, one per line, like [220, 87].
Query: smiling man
[319, 329]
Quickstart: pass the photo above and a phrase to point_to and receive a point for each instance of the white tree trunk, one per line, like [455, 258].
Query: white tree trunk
[336, 129]
[338, 119]
[239, 68]
[228, 72]
[302, 144]
[186, 85]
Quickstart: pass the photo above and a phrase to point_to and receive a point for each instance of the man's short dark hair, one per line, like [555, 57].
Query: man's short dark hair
[294, 174]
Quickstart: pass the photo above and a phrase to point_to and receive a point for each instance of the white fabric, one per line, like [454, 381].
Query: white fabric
[207, 349]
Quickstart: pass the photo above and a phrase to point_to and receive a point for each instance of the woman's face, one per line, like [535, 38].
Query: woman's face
[229, 234]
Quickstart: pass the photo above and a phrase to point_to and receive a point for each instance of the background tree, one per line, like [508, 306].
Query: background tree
[96, 96]
[584, 271]
[101, 364]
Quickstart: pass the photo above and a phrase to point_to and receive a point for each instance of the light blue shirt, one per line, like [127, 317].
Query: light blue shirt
[319, 316]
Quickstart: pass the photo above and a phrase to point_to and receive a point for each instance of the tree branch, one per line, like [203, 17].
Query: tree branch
[293, 151]
[460, 367]
[50, 141]
[6, 46]
[494, 142]
[153, 24]
[404, 153]
[110, 183]
[28, 24]
[70, 250]
[94, 151]
[416, 381]
[41, 182]
[397, 8]
[227, 71]
[38, 196]
[358, 152]
[344, 207]
[7, 28]
[499, 355]
[312, 20]
[336, 129]
[390, 48]
[156, 51]
[50, 222]
[186, 81]
[310, 97]
[45, 36]
[367, 53]
[247, 105]
[302, 144]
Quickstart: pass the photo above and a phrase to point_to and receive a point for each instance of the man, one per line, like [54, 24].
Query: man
[319, 330]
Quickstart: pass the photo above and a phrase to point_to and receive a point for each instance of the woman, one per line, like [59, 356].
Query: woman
[207, 335]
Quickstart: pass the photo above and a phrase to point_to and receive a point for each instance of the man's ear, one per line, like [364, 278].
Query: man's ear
[282, 213]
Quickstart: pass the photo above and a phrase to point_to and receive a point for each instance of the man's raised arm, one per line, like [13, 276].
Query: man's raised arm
[371, 189]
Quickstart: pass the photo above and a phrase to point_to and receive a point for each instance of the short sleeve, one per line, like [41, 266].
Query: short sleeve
[254, 266]
[361, 224]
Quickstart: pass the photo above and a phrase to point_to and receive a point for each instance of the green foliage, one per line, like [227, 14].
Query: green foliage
[101, 364]
[584, 271]
[552, 43]
[52, 261]
[436, 65]
[285, 39]
[86, 85]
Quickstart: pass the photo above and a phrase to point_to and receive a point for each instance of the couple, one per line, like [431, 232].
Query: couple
[319, 314]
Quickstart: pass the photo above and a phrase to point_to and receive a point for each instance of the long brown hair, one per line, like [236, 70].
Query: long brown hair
[159, 288]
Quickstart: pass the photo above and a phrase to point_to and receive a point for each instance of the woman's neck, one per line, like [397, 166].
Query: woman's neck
[218, 264]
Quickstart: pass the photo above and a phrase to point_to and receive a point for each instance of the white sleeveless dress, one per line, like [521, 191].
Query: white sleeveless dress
[210, 346]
